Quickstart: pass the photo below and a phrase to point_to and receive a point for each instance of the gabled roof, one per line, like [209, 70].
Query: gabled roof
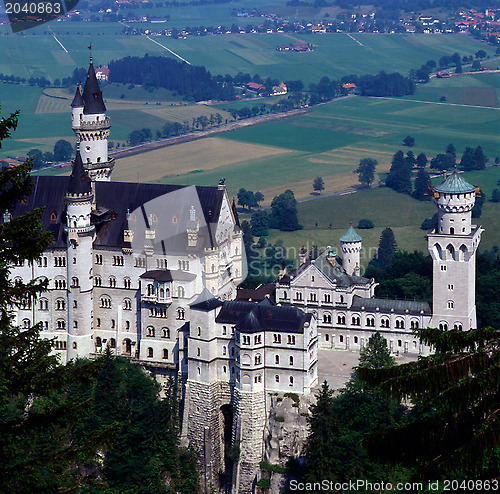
[455, 184]
[79, 181]
[92, 95]
[350, 236]
[250, 317]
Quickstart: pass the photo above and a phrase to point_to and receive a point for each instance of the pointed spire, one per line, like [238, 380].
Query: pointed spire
[77, 100]
[350, 236]
[79, 182]
[92, 95]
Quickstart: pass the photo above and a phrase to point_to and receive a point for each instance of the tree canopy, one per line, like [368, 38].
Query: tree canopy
[366, 171]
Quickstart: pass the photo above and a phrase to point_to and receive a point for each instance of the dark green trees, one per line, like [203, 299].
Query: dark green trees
[376, 354]
[366, 171]
[318, 184]
[62, 150]
[422, 183]
[36, 415]
[387, 247]
[284, 215]
[458, 436]
[399, 177]
[260, 223]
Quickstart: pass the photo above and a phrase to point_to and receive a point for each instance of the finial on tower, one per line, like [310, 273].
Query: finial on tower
[90, 51]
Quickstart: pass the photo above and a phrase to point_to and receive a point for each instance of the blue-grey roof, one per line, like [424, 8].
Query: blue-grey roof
[388, 305]
[206, 301]
[350, 236]
[79, 182]
[455, 184]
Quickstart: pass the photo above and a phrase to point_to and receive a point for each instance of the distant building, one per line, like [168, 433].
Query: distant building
[102, 73]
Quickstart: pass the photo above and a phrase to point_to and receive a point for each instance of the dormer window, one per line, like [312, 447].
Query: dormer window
[53, 217]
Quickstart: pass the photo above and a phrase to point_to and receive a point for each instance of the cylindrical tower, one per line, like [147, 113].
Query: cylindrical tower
[80, 233]
[91, 126]
[350, 243]
[453, 246]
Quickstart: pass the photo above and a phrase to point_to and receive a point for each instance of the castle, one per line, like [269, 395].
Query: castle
[151, 271]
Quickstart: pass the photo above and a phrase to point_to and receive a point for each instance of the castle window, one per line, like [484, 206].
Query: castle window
[74, 281]
[199, 331]
[277, 359]
[165, 333]
[340, 319]
[98, 342]
[451, 304]
[174, 220]
[75, 304]
[26, 323]
[224, 330]
[60, 284]
[277, 378]
[327, 318]
[112, 324]
[98, 322]
[97, 281]
[150, 352]
[224, 350]
[154, 218]
[53, 217]
[400, 343]
[198, 352]
[291, 340]
[151, 290]
[258, 339]
[75, 345]
[105, 302]
[150, 331]
[328, 298]
[126, 282]
[43, 304]
[165, 354]
[355, 321]
[118, 261]
[291, 360]
[341, 339]
[245, 340]
[312, 297]
[75, 324]
[298, 296]
[60, 304]
[258, 359]
[285, 295]
[180, 292]
[74, 260]
[224, 369]
[277, 338]
[341, 299]
[291, 380]
[61, 324]
[127, 325]
[450, 287]
[180, 313]
[127, 304]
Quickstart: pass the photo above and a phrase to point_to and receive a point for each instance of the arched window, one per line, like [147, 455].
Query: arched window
[180, 313]
[60, 304]
[150, 352]
[165, 353]
[74, 281]
[105, 302]
[165, 333]
[277, 378]
[258, 359]
[98, 342]
[126, 282]
[180, 292]
[151, 290]
[291, 380]
[112, 343]
[450, 252]
[291, 360]
[112, 281]
[277, 359]
[127, 304]
[150, 331]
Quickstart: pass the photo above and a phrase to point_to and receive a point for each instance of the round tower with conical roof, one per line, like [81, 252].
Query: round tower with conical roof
[453, 246]
[350, 243]
[91, 126]
[80, 235]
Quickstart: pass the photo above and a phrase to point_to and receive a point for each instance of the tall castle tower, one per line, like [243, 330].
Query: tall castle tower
[91, 126]
[453, 247]
[350, 243]
[80, 234]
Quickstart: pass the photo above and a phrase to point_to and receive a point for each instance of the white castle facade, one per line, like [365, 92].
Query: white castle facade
[152, 272]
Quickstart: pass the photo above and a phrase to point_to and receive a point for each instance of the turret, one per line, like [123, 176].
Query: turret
[77, 106]
[350, 243]
[80, 233]
[91, 126]
[453, 246]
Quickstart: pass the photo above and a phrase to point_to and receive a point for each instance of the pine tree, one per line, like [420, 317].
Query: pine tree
[468, 161]
[422, 182]
[376, 354]
[480, 159]
[421, 160]
[387, 247]
[36, 414]
[459, 434]
[321, 448]
[451, 150]
[399, 177]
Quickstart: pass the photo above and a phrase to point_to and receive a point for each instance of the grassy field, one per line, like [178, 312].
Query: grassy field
[326, 220]
[334, 55]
